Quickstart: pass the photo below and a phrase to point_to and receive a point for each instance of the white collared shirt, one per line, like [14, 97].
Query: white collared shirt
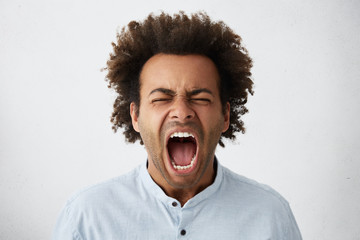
[133, 206]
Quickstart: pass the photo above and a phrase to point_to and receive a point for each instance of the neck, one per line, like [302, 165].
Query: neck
[186, 192]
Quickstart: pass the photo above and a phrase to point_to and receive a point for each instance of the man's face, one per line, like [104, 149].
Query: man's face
[180, 118]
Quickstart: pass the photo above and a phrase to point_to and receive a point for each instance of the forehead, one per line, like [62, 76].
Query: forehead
[179, 72]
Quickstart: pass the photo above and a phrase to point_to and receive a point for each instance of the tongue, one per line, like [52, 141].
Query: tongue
[181, 153]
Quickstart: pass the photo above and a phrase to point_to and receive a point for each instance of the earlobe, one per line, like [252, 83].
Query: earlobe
[226, 117]
[134, 116]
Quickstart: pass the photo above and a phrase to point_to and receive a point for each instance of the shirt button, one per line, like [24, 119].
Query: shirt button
[183, 232]
[174, 204]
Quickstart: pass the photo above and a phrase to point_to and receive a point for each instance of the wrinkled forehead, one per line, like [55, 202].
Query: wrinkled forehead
[179, 72]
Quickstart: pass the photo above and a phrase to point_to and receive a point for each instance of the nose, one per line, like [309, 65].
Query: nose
[181, 110]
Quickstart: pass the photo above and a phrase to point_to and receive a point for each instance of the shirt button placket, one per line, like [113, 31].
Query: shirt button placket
[184, 227]
[182, 232]
[175, 210]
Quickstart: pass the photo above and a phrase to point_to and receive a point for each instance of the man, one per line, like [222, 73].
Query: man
[182, 83]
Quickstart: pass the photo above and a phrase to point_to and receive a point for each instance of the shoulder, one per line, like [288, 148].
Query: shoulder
[257, 204]
[251, 192]
[108, 191]
[101, 204]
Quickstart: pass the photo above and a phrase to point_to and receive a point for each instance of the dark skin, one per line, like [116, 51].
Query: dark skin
[180, 94]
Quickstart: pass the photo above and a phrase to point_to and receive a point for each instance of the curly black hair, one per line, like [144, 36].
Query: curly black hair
[178, 34]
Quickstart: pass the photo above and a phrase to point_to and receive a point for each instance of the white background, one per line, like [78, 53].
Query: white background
[302, 130]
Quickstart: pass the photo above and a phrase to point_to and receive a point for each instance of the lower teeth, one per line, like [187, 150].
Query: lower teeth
[184, 167]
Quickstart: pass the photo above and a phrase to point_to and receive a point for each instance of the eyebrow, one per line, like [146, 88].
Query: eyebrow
[172, 93]
[200, 90]
[163, 90]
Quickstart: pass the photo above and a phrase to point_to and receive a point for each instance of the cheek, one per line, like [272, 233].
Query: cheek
[158, 117]
[211, 117]
[150, 123]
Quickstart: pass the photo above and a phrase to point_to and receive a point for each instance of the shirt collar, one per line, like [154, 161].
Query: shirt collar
[153, 189]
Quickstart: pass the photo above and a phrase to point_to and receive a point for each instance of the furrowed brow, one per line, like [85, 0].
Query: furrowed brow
[163, 90]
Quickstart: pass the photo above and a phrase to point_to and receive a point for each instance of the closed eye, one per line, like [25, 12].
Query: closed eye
[160, 100]
[200, 100]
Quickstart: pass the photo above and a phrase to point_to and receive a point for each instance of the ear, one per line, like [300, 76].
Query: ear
[226, 117]
[134, 116]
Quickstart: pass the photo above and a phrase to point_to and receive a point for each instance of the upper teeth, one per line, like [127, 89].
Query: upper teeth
[181, 134]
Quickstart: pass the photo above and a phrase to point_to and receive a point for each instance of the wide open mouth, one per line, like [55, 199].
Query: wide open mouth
[182, 148]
